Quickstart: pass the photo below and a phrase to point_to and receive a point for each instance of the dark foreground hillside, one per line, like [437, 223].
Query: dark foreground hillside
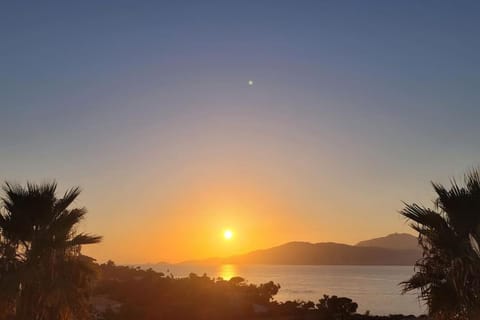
[125, 293]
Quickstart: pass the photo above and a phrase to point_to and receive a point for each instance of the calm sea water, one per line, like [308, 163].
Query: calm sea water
[374, 288]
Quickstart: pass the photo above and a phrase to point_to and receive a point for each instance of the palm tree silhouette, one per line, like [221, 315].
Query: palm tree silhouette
[448, 274]
[42, 267]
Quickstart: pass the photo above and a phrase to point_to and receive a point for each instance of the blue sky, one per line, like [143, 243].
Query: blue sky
[356, 106]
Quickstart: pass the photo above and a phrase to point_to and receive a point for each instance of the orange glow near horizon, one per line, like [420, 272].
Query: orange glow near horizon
[188, 222]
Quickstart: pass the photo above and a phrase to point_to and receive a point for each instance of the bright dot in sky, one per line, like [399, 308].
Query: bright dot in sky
[250, 82]
[228, 234]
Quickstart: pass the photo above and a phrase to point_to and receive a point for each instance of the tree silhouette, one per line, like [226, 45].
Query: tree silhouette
[42, 269]
[448, 274]
[337, 307]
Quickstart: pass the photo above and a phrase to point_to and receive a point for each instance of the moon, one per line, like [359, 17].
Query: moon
[250, 82]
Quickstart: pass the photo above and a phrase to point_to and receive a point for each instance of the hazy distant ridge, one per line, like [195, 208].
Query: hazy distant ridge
[398, 241]
[305, 253]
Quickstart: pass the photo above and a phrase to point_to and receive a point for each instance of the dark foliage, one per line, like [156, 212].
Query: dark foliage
[339, 307]
[43, 275]
[146, 294]
[448, 274]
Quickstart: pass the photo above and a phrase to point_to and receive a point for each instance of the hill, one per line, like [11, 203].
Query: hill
[388, 250]
[396, 241]
[304, 253]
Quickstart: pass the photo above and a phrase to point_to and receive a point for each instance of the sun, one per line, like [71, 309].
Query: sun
[228, 234]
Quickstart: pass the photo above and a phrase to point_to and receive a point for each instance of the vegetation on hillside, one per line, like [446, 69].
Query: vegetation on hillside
[146, 294]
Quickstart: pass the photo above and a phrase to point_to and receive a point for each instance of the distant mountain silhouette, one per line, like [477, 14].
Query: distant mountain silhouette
[398, 241]
[388, 252]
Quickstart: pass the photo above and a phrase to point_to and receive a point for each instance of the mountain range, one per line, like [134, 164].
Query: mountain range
[393, 249]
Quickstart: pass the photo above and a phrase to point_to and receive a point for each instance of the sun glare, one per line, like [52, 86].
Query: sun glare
[228, 234]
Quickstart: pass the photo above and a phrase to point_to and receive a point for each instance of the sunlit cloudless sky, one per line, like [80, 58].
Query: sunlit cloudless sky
[355, 106]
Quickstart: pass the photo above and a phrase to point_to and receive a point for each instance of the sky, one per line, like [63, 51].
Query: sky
[146, 105]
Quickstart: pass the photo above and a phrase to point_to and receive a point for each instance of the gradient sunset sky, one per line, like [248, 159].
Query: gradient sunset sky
[355, 106]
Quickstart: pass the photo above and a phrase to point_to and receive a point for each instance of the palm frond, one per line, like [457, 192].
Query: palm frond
[447, 274]
[68, 198]
[418, 281]
[424, 216]
[64, 223]
[83, 239]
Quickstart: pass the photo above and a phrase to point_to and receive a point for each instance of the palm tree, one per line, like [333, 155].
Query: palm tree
[8, 281]
[49, 276]
[448, 274]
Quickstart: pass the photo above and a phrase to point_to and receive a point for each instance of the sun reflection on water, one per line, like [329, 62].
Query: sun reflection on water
[227, 271]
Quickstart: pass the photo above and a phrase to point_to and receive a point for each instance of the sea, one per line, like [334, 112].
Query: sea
[374, 288]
